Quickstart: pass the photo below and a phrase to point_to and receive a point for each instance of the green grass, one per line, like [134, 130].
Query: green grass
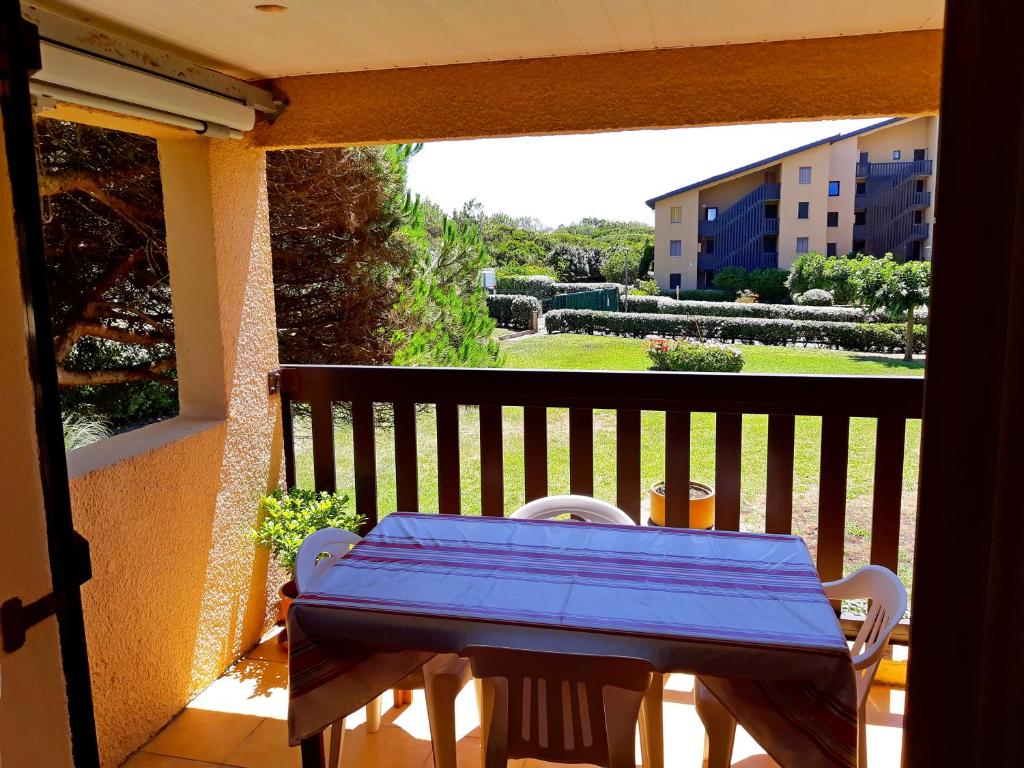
[612, 353]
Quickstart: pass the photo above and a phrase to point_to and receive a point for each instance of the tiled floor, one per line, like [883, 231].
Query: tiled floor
[239, 721]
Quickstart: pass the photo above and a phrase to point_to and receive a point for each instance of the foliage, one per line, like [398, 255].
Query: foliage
[524, 270]
[731, 279]
[442, 308]
[336, 221]
[81, 430]
[693, 356]
[816, 297]
[647, 288]
[621, 265]
[899, 289]
[845, 277]
[288, 517]
[538, 286]
[511, 311]
[747, 296]
[863, 337]
[701, 294]
[574, 264]
[646, 266]
[773, 311]
[769, 285]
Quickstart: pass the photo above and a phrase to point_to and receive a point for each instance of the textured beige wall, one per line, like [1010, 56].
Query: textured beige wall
[179, 590]
[33, 707]
[816, 193]
[842, 161]
[686, 231]
[858, 76]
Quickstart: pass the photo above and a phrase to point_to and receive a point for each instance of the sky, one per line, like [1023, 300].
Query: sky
[562, 179]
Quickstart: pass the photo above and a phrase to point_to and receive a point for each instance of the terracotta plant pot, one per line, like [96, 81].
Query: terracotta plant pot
[702, 505]
[288, 592]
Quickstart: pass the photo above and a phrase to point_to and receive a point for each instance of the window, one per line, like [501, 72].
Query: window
[675, 248]
[830, 249]
[919, 185]
[805, 174]
[863, 157]
[862, 187]
[803, 210]
[833, 189]
[919, 217]
[919, 154]
[803, 245]
[711, 213]
[675, 280]
[833, 218]
[896, 155]
[676, 214]
[860, 217]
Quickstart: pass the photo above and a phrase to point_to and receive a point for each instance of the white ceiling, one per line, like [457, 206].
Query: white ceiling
[315, 36]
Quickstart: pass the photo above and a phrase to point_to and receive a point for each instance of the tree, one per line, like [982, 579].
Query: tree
[899, 289]
[621, 265]
[336, 222]
[572, 263]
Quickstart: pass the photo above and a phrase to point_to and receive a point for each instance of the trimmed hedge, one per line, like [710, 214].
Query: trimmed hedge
[701, 294]
[512, 311]
[860, 337]
[544, 288]
[665, 306]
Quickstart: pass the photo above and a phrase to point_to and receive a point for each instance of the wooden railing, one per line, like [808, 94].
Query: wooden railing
[836, 399]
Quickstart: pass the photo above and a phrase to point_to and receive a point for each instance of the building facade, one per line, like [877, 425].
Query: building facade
[866, 191]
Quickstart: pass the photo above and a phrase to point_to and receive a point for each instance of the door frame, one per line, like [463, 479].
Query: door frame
[67, 550]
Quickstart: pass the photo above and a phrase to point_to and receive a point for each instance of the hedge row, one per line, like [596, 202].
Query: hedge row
[860, 337]
[701, 294]
[544, 288]
[665, 306]
[512, 311]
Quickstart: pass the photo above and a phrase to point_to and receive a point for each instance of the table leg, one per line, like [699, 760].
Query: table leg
[312, 749]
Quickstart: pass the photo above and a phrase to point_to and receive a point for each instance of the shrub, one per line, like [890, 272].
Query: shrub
[769, 284]
[523, 270]
[581, 287]
[572, 263]
[621, 265]
[701, 294]
[288, 517]
[538, 286]
[511, 311]
[731, 279]
[647, 288]
[816, 297]
[773, 311]
[693, 356]
[861, 337]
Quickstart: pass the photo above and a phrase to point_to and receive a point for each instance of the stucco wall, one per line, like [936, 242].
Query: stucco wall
[179, 590]
[711, 85]
[793, 192]
[842, 162]
[686, 232]
[33, 706]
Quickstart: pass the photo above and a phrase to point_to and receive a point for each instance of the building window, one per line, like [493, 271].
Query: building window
[863, 157]
[676, 214]
[830, 249]
[803, 210]
[919, 154]
[675, 280]
[675, 248]
[803, 245]
[862, 187]
[833, 189]
[896, 155]
[919, 185]
[711, 212]
[805, 174]
[833, 218]
[860, 217]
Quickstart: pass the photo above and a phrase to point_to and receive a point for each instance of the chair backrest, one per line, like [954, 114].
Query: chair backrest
[559, 707]
[590, 509]
[887, 603]
[332, 543]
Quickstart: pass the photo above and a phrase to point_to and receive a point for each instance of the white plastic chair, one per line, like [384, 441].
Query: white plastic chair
[591, 510]
[888, 600]
[597, 511]
[442, 677]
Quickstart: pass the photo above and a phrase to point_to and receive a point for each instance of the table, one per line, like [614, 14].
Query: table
[745, 611]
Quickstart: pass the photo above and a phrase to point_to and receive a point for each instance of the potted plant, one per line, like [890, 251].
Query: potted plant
[286, 519]
[702, 505]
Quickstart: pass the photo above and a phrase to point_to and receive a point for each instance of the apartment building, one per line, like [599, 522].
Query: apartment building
[869, 190]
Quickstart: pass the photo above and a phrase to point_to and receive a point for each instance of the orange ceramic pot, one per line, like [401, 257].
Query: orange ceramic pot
[702, 505]
[288, 592]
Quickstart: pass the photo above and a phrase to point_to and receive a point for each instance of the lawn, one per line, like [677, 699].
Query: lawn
[613, 353]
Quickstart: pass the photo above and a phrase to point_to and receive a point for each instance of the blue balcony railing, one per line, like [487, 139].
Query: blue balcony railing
[921, 199]
[896, 168]
[919, 232]
[860, 231]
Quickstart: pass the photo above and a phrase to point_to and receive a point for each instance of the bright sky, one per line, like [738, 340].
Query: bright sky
[562, 179]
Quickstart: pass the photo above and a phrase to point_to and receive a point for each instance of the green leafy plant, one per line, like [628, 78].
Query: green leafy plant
[647, 288]
[706, 356]
[899, 289]
[512, 311]
[81, 430]
[524, 270]
[816, 297]
[731, 279]
[288, 517]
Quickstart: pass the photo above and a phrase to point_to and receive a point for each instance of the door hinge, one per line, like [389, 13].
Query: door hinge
[17, 617]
